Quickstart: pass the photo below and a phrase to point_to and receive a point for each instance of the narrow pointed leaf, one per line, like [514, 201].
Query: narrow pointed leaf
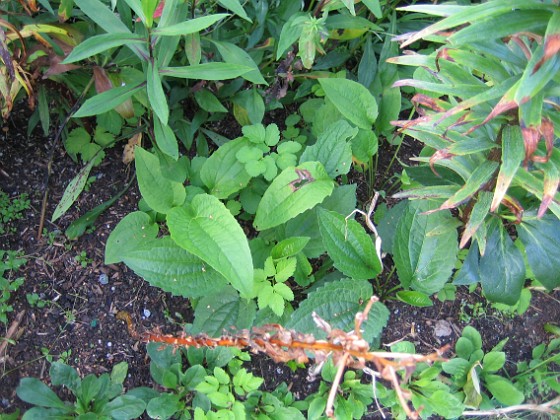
[107, 100]
[512, 155]
[156, 95]
[165, 139]
[190, 26]
[207, 229]
[73, 190]
[232, 54]
[97, 44]
[207, 71]
[236, 7]
[33, 391]
[478, 214]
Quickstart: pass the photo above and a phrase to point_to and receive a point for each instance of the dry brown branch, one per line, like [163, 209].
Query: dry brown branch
[547, 408]
[347, 350]
[11, 334]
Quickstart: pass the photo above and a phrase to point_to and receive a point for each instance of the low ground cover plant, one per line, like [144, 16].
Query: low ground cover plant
[266, 228]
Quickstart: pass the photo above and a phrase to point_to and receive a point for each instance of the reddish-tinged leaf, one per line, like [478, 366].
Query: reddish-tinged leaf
[515, 207]
[478, 214]
[551, 182]
[531, 137]
[427, 101]
[102, 81]
[547, 131]
[438, 155]
[444, 55]
[512, 154]
[551, 40]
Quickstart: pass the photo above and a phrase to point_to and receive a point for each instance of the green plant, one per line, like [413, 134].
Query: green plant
[485, 96]
[35, 300]
[83, 259]
[11, 209]
[95, 396]
[10, 261]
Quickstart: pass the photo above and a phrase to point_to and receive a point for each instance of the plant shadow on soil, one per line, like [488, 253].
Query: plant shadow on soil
[78, 319]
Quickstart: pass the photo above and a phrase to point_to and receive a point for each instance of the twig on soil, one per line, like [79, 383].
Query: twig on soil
[347, 349]
[11, 334]
[541, 408]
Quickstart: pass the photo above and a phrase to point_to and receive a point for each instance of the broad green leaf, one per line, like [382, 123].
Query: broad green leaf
[248, 107]
[63, 374]
[352, 100]
[424, 262]
[332, 149]
[350, 247]
[291, 193]
[513, 151]
[99, 43]
[351, 296]
[190, 26]
[236, 7]
[289, 247]
[223, 173]
[124, 407]
[193, 49]
[156, 95]
[129, 234]
[364, 146]
[207, 229]
[501, 269]
[542, 247]
[220, 311]
[160, 193]
[414, 298]
[33, 391]
[290, 33]
[208, 101]
[493, 361]
[165, 139]
[446, 404]
[231, 53]
[107, 100]
[163, 406]
[503, 390]
[102, 16]
[206, 71]
[72, 191]
[374, 7]
[163, 264]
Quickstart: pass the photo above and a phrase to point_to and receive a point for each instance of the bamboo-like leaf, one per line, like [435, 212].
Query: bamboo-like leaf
[476, 181]
[156, 95]
[232, 54]
[107, 100]
[165, 139]
[478, 214]
[136, 6]
[73, 190]
[512, 156]
[433, 192]
[551, 183]
[189, 26]
[207, 71]
[97, 44]
[460, 90]
[535, 186]
[102, 16]
[236, 7]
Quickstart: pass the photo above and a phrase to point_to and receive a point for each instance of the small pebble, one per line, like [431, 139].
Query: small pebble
[109, 344]
[147, 313]
[103, 278]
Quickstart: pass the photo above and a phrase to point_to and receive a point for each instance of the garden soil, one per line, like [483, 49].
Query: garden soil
[75, 315]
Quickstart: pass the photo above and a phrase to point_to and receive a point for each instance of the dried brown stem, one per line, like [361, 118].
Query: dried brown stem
[539, 408]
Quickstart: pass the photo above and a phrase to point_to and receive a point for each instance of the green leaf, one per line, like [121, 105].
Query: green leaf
[248, 107]
[223, 173]
[352, 100]
[119, 372]
[290, 33]
[100, 43]
[156, 95]
[72, 191]
[340, 312]
[364, 146]
[107, 100]
[285, 268]
[63, 374]
[164, 406]
[232, 54]
[236, 7]
[542, 247]
[493, 361]
[208, 101]
[206, 71]
[35, 392]
[348, 244]
[207, 229]
[414, 298]
[289, 247]
[169, 267]
[222, 310]
[513, 152]
[128, 235]
[190, 26]
[160, 193]
[501, 268]
[165, 139]
[291, 193]
[503, 390]
[332, 149]
[424, 260]
[102, 16]
[124, 407]
[478, 214]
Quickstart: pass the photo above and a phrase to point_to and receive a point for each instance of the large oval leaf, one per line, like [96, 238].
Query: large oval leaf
[160, 193]
[352, 100]
[207, 229]
[133, 230]
[349, 246]
[541, 239]
[291, 193]
[337, 302]
[424, 253]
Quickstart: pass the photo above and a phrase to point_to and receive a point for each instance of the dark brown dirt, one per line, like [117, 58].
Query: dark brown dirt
[78, 320]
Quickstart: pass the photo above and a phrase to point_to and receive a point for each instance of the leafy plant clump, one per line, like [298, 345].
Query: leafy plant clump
[10, 261]
[11, 209]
